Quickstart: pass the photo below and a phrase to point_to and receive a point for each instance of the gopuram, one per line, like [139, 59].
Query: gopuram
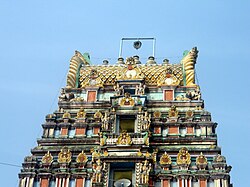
[131, 124]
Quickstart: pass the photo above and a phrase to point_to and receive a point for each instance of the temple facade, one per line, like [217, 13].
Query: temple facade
[131, 124]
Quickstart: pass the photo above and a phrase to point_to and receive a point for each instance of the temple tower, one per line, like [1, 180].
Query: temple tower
[128, 124]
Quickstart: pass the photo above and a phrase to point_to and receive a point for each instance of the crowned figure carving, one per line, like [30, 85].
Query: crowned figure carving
[189, 115]
[124, 139]
[64, 156]
[183, 158]
[95, 154]
[127, 100]
[103, 138]
[173, 112]
[219, 162]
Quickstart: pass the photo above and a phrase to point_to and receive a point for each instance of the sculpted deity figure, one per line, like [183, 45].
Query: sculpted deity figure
[97, 168]
[105, 121]
[147, 121]
[140, 90]
[62, 96]
[124, 139]
[118, 90]
[145, 169]
[195, 94]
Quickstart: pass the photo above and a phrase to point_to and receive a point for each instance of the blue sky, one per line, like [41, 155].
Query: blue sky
[38, 38]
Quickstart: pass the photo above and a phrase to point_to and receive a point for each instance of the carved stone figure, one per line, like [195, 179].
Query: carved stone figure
[145, 169]
[118, 90]
[95, 154]
[62, 96]
[103, 139]
[194, 95]
[146, 121]
[105, 121]
[64, 156]
[183, 157]
[140, 90]
[124, 139]
[173, 112]
[127, 100]
[165, 159]
[97, 168]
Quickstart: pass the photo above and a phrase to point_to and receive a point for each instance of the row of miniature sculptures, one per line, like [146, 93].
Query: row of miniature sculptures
[139, 90]
[99, 117]
[183, 160]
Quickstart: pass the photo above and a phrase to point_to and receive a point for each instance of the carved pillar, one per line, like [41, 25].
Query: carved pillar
[139, 122]
[106, 174]
[137, 174]
[225, 183]
[31, 182]
[22, 182]
[56, 184]
[217, 183]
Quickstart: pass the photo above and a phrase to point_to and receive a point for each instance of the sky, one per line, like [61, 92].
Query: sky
[38, 38]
